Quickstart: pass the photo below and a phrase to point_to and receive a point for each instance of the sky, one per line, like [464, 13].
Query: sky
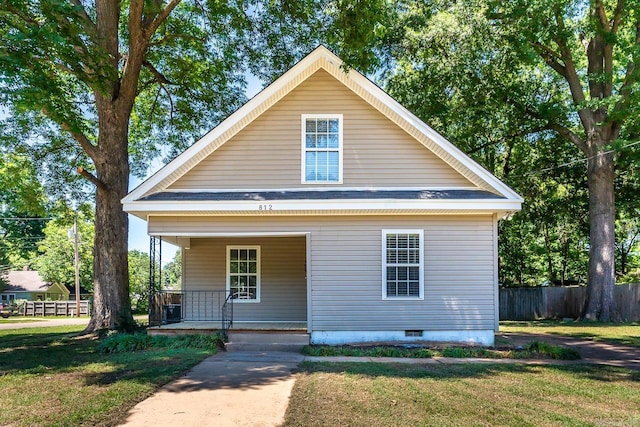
[138, 238]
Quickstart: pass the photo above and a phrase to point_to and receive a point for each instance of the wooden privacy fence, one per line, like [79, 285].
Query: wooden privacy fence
[54, 308]
[558, 302]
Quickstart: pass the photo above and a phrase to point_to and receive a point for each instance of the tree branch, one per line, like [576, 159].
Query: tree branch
[161, 17]
[136, 8]
[88, 24]
[550, 57]
[631, 76]
[617, 17]
[160, 78]
[91, 177]
[570, 135]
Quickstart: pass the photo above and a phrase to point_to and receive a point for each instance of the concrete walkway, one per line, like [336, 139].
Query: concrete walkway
[228, 389]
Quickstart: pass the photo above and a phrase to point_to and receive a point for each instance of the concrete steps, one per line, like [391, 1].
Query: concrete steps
[266, 341]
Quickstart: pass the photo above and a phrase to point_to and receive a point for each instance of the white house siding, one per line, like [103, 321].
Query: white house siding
[346, 267]
[283, 293]
[267, 153]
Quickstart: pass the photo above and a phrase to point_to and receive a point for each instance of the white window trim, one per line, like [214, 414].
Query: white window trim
[228, 278]
[420, 233]
[9, 297]
[303, 145]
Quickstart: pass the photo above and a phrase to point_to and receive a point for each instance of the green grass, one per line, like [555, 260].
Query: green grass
[375, 394]
[534, 350]
[614, 333]
[52, 376]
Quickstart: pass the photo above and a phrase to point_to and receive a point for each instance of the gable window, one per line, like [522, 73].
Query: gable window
[243, 273]
[322, 148]
[402, 264]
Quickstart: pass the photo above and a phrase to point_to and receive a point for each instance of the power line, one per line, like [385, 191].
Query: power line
[583, 160]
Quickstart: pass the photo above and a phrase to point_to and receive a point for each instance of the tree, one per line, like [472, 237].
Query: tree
[519, 72]
[109, 81]
[55, 260]
[139, 280]
[172, 272]
[594, 49]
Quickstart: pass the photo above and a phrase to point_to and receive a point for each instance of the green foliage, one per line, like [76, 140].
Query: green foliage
[139, 281]
[23, 210]
[553, 351]
[126, 343]
[56, 259]
[172, 273]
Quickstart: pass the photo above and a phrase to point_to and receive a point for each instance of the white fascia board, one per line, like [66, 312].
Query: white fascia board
[283, 206]
[255, 102]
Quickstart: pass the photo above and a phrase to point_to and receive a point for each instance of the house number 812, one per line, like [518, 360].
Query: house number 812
[265, 207]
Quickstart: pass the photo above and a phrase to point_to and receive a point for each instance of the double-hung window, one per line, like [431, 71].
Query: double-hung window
[402, 264]
[243, 273]
[322, 148]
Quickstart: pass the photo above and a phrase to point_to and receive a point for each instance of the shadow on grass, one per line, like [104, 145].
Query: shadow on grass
[35, 352]
[585, 330]
[468, 370]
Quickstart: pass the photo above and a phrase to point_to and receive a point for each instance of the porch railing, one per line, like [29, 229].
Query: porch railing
[191, 306]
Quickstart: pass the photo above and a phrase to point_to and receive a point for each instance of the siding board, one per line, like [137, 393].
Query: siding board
[346, 269]
[267, 153]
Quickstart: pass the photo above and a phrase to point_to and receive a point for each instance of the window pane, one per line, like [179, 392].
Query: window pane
[233, 267]
[311, 125]
[253, 281]
[391, 241]
[414, 241]
[253, 267]
[391, 256]
[233, 254]
[322, 141]
[391, 289]
[403, 241]
[414, 273]
[253, 254]
[334, 167]
[414, 289]
[403, 256]
[333, 125]
[322, 166]
[311, 166]
[403, 289]
[333, 140]
[311, 141]
[323, 125]
[391, 273]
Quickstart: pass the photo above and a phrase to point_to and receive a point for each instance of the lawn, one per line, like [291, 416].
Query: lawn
[614, 333]
[373, 394]
[50, 376]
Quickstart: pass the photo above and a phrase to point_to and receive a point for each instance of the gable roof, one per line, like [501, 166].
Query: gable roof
[26, 281]
[320, 58]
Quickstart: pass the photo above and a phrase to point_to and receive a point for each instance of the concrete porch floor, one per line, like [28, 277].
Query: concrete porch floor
[198, 327]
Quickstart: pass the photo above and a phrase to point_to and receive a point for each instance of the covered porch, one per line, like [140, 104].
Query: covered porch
[247, 283]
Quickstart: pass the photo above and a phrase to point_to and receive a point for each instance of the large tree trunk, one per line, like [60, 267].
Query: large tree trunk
[111, 304]
[600, 304]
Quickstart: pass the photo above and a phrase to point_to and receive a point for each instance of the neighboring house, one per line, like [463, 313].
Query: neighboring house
[29, 286]
[325, 202]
